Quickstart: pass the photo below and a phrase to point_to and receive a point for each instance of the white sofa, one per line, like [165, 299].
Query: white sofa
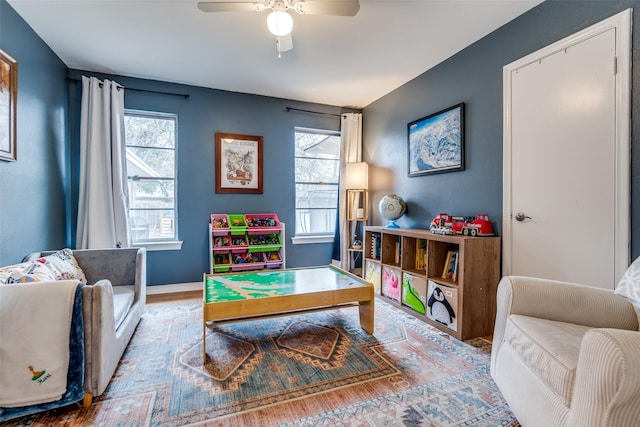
[566, 355]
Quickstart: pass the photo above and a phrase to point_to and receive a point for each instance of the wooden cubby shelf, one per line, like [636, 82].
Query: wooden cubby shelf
[407, 268]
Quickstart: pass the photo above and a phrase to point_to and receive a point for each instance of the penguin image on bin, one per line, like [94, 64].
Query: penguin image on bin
[441, 310]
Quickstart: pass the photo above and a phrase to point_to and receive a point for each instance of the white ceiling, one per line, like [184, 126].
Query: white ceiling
[342, 61]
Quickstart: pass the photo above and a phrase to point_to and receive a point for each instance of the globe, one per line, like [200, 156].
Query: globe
[391, 208]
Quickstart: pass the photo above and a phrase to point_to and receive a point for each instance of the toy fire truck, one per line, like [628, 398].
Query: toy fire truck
[470, 226]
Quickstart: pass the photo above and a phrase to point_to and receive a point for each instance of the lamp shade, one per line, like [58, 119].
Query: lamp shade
[279, 23]
[357, 176]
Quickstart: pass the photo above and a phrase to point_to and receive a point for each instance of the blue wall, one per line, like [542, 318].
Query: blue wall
[474, 76]
[33, 191]
[205, 112]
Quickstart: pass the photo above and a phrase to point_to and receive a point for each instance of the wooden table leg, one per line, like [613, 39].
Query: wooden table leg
[367, 315]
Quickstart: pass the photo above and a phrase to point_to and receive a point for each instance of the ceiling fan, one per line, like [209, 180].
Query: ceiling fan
[279, 21]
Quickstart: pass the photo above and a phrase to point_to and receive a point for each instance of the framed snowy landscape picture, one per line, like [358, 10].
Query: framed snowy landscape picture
[436, 142]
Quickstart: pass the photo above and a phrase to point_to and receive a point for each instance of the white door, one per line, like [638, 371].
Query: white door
[566, 158]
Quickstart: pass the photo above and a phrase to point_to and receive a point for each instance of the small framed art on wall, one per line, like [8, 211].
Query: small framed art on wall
[436, 142]
[238, 163]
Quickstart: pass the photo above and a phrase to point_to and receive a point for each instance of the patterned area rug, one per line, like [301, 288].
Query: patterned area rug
[317, 369]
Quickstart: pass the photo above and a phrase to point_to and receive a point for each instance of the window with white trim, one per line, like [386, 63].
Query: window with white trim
[152, 176]
[317, 173]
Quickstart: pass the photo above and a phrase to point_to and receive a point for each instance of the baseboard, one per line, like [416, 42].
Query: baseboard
[174, 288]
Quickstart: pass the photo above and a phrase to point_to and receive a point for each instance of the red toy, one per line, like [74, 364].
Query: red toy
[470, 226]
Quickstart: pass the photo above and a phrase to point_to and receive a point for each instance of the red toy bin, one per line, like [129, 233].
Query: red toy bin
[262, 223]
[219, 224]
[273, 259]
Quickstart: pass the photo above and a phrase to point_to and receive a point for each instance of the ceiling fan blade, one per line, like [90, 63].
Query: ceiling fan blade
[285, 43]
[328, 7]
[230, 6]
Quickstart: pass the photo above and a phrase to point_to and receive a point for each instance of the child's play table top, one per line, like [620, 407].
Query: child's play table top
[271, 283]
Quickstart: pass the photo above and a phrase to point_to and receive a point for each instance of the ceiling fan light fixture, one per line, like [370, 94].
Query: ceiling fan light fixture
[280, 23]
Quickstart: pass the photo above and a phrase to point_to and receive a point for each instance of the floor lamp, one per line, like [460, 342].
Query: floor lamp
[357, 186]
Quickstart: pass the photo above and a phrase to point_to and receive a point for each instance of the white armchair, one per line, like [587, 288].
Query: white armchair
[566, 355]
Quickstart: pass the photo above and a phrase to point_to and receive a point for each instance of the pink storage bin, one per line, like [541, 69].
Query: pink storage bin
[247, 261]
[262, 223]
[221, 243]
[219, 224]
[239, 243]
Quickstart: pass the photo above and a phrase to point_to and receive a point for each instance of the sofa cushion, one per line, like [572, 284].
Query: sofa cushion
[549, 348]
[122, 301]
[60, 265]
[629, 285]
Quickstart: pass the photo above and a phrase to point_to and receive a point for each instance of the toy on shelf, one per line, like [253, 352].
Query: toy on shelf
[239, 241]
[219, 221]
[262, 223]
[445, 224]
[244, 258]
[273, 259]
[221, 241]
[221, 262]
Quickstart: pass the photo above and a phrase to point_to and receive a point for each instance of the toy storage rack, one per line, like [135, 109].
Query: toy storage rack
[242, 242]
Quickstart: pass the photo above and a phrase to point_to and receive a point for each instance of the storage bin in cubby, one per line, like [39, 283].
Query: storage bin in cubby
[391, 281]
[273, 259]
[262, 223]
[221, 243]
[442, 304]
[372, 274]
[219, 224]
[247, 261]
[264, 242]
[221, 262]
[239, 242]
[414, 292]
[237, 224]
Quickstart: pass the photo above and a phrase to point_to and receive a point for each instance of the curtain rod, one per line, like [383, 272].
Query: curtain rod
[313, 112]
[185, 96]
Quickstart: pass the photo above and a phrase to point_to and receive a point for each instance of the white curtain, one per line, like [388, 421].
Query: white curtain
[350, 151]
[103, 205]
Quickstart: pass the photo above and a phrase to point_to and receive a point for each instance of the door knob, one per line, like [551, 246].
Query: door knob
[520, 216]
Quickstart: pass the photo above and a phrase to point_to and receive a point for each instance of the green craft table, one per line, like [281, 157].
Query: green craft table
[233, 297]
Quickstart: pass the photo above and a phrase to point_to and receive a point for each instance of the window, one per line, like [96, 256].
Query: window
[151, 172]
[317, 170]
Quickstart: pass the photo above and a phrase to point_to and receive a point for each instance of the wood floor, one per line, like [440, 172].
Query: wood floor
[174, 296]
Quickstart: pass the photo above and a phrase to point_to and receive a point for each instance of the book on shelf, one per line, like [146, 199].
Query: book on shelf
[375, 245]
[447, 261]
[397, 253]
[455, 267]
[421, 254]
[450, 270]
